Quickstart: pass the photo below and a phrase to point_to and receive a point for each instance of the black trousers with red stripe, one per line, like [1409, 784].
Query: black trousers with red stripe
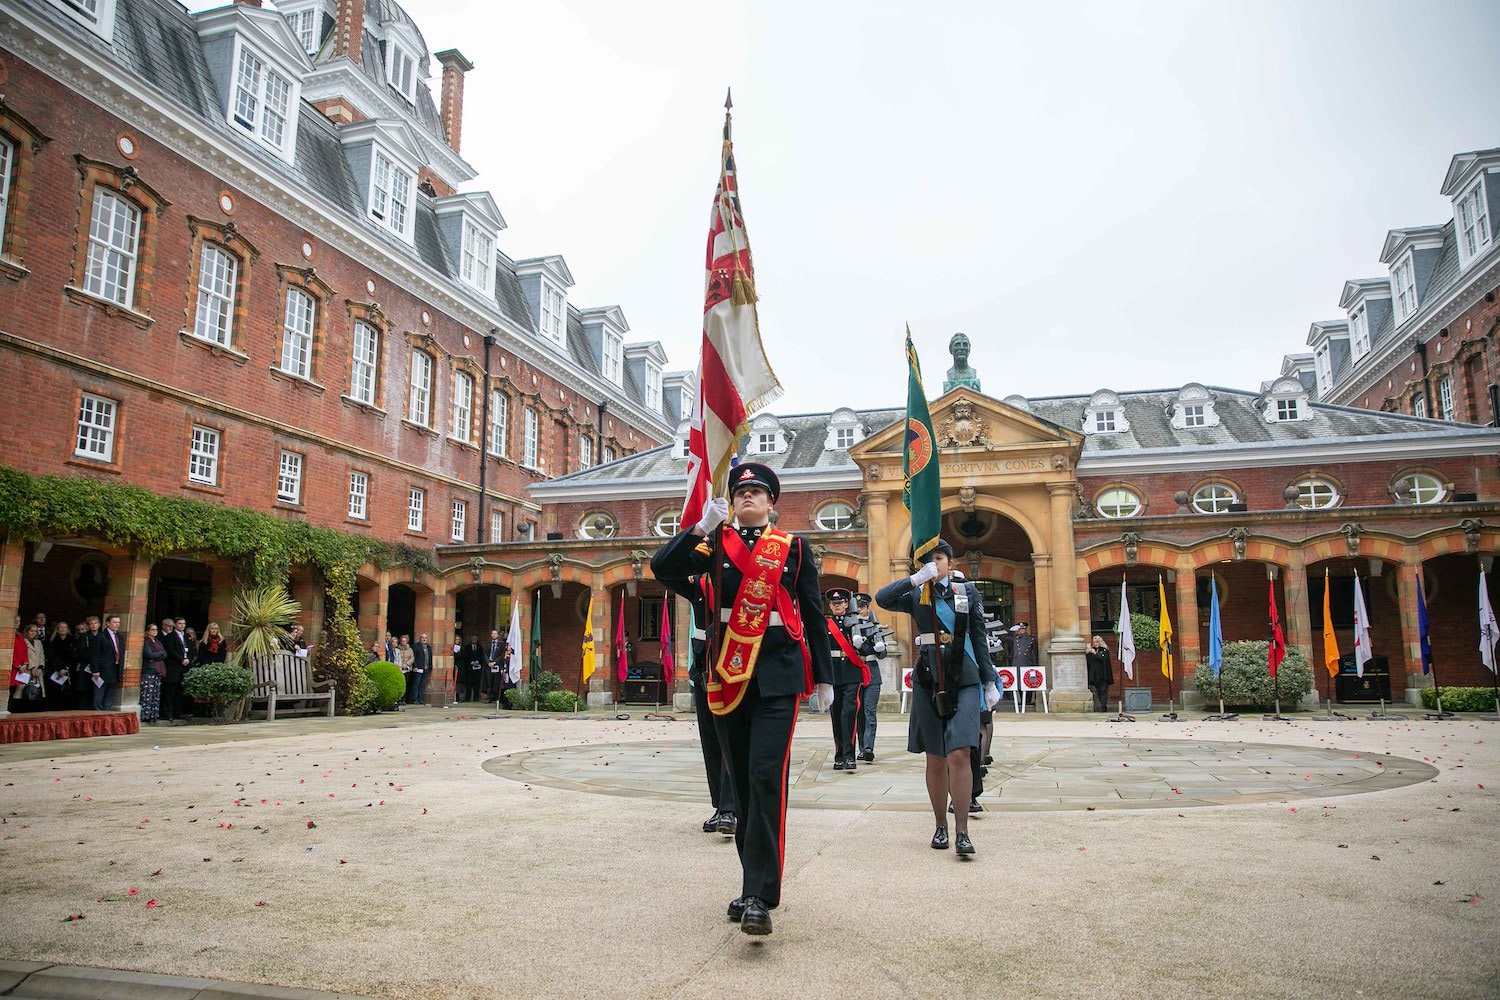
[845, 716]
[757, 742]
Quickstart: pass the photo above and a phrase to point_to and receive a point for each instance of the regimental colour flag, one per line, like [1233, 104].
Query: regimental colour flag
[513, 639]
[1489, 631]
[1424, 629]
[923, 489]
[1330, 641]
[1362, 652]
[668, 661]
[536, 634]
[1164, 632]
[1276, 651]
[734, 377]
[1215, 628]
[1126, 635]
[622, 650]
[589, 661]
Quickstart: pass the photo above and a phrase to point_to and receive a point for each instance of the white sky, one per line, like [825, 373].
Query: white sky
[1115, 194]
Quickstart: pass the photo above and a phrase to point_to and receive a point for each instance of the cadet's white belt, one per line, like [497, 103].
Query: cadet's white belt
[925, 638]
[699, 634]
[775, 619]
[835, 654]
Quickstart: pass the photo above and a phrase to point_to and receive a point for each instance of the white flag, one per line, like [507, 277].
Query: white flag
[513, 637]
[1126, 635]
[1362, 652]
[1488, 630]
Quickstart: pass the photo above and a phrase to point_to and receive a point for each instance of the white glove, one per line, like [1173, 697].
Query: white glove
[926, 573]
[858, 641]
[823, 697]
[715, 513]
[991, 697]
[880, 646]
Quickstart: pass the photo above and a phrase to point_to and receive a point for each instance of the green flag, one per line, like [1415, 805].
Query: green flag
[923, 490]
[536, 633]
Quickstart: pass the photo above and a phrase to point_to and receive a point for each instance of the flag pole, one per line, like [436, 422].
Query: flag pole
[1486, 635]
[1429, 661]
[1124, 619]
[1332, 716]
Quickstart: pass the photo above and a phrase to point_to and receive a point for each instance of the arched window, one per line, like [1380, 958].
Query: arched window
[834, 516]
[1214, 498]
[1118, 502]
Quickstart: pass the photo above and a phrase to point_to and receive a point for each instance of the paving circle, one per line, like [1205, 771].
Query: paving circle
[1028, 774]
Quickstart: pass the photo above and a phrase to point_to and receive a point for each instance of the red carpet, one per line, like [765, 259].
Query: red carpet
[33, 727]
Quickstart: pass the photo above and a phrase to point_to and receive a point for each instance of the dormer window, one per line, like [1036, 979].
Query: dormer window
[304, 24]
[390, 194]
[1359, 332]
[844, 430]
[653, 388]
[553, 307]
[1286, 400]
[478, 265]
[766, 442]
[401, 70]
[97, 15]
[843, 438]
[1404, 285]
[1472, 217]
[1288, 409]
[767, 436]
[1105, 414]
[262, 101]
[614, 347]
[1194, 408]
[680, 441]
[1323, 366]
[1105, 420]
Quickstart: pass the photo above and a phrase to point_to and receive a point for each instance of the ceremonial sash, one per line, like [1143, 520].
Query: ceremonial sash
[848, 648]
[760, 592]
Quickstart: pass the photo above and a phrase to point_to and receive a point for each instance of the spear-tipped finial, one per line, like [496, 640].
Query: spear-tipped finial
[728, 105]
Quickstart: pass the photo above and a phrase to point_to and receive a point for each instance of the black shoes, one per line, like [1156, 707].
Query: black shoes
[736, 909]
[838, 764]
[975, 807]
[989, 759]
[727, 824]
[963, 846]
[756, 918]
[868, 756]
[940, 839]
[711, 825]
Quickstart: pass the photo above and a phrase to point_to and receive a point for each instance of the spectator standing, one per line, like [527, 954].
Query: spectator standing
[83, 678]
[62, 657]
[494, 657]
[153, 669]
[108, 663]
[470, 664]
[28, 661]
[176, 663]
[1101, 672]
[214, 648]
[389, 652]
[405, 658]
[421, 666]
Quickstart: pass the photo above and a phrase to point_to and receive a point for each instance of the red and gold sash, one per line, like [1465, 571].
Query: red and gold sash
[760, 593]
[848, 648]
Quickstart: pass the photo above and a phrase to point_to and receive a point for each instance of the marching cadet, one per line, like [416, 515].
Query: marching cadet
[869, 639]
[944, 720]
[770, 651]
[849, 675]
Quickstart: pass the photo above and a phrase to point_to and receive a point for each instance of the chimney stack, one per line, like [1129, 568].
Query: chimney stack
[452, 110]
[349, 30]
[247, 3]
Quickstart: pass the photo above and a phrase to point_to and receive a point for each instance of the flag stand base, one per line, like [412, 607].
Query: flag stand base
[1120, 716]
[1225, 717]
[1445, 716]
[1333, 716]
[1171, 715]
[1383, 716]
[1274, 717]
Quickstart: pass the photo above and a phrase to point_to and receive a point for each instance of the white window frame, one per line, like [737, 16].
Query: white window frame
[667, 523]
[305, 24]
[1316, 494]
[497, 526]
[844, 438]
[1359, 331]
[364, 362]
[416, 509]
[1323, 365]
[598, 524]
[585, 452]
[837, 515]
[7, 164]
[609, 454]
[391, 187]
[499, 421]
[298, 323]
[1404, 284]
[653, 388]
[289, 477]
[1288, 409]
[1214, 498]
[1431, 492]
[114, 246]
[1195, 414]
[401, 69]
[359, 495]
[477, 264]
[1473, 222]
[766, 442]
[614, 351]
[1112, 503]
[419, 389]
[218, 271]
[460, 520]
[263, 100]
[1105, 421]
[554, 313]
[1445, 398]
[463, 405]
[203, 456]
[1419, 404]
[532, 429]
[97, 419]
[96, 15]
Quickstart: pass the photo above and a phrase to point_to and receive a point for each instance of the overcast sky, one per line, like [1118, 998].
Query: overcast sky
[1115, 194]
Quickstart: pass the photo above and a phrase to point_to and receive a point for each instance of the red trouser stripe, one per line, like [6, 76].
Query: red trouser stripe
[786, 767]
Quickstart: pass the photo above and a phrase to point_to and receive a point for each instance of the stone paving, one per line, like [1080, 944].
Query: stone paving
[1029, 773]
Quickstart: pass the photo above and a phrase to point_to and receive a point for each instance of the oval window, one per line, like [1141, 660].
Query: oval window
[1118, 502]
[667, 523]
[1419, 488]
[1315, 494]
[1214, 498]
[598, 525]
[836, 516]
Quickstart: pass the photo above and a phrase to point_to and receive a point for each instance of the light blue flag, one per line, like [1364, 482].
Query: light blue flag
[1215, 632]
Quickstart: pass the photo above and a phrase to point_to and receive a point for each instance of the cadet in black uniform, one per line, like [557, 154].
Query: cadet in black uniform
[772, 647]
[959, 628]
[869, 639]
[848, 678]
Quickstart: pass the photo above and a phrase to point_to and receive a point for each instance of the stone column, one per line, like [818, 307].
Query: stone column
[129, 593]
[12, 566]
[1407, 582]
[308, 593]
[1185, 629]
[1065, 647]
[878, 539]
[601, 693]
[1295, 615]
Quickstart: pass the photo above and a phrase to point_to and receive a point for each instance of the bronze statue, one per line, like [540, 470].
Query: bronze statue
[960, 373]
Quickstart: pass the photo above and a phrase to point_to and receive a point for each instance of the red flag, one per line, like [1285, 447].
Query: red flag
[667, 666]
[1277, 650]
[734, 377]
[621, 657]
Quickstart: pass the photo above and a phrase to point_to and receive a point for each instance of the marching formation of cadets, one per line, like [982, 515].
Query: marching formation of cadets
[756, 603]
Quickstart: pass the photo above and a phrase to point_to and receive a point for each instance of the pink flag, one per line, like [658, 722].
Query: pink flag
[667, 666]
[622, 657]
[734, 377]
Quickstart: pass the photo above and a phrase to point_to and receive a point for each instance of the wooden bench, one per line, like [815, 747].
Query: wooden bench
[282, 677]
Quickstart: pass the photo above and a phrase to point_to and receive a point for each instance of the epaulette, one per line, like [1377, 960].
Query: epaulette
[704, 549]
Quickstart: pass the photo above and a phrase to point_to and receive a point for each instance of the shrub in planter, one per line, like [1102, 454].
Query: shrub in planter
[1146, 631]
[390, 683]
[363, 698]
[561, 701]
[1247, 681]
[518, 699]
[222, 686]
[542, 684]
[1461, 699]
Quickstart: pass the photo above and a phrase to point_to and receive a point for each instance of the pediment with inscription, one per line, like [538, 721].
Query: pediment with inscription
[964, 420]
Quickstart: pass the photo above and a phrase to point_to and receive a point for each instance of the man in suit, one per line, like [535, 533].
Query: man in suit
[952, 664]
[178, 658]
[494, 662]
[470, 664]
[771, 647]
[83, 684]
[107, 661]
[421, 668]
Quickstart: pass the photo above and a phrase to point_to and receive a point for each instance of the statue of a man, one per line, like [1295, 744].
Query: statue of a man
[960, 374]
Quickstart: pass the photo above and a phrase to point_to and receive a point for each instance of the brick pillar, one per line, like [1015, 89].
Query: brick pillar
[1185, 627]
[1407, 582]
[601, 685]
[129, 593]
[12, 565]
[349, 30]
[220, 596]
[451, 108]
[307, 592]
[1295, 614]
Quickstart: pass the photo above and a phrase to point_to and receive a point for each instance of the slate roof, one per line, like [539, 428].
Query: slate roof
[373, 64]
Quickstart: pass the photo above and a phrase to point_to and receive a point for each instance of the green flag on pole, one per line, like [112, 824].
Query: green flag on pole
[922, 492]
[536, 633]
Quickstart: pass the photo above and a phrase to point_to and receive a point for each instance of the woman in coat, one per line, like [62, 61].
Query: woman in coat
[1100, 672]
[62, 657]
[28, 661]
[153, 669]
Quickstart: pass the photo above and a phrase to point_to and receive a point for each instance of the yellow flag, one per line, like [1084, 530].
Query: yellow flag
[588, 641]
[1164, 632]
[1330, 644]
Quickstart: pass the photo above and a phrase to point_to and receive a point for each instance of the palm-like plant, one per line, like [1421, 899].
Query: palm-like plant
[259, 623]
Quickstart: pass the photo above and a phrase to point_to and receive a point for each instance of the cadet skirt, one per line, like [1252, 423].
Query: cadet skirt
[926, 733]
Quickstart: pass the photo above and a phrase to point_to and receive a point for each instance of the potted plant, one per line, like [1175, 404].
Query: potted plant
[258, 628]
[223, 686]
